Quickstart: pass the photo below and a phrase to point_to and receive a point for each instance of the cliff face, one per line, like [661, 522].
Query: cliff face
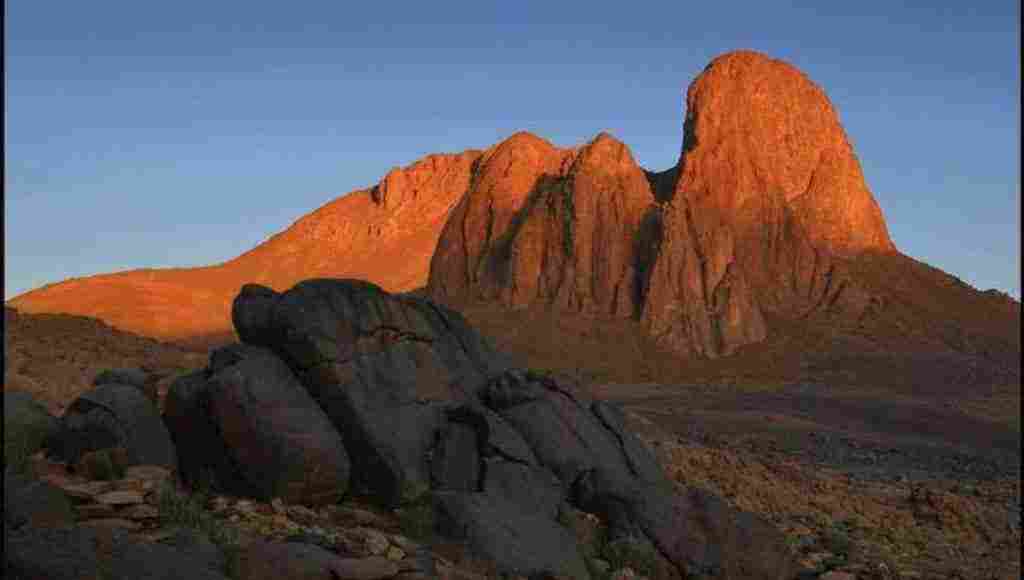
[550, 225]
[766, 195]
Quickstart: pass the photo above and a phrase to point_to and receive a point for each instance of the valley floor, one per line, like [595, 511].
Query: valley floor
[858, 483]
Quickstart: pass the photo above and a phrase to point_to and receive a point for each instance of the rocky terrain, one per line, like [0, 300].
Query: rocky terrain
[723, 369]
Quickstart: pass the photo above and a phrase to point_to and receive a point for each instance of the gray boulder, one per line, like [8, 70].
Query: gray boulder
[203, 456]
[519, 541]
[569, 433]
[114, 415]
[139, 378]
[136, 377]
[427, 409]
[696, 531]
[30, 502]
[383, 367]
[126, 376]
[282, 442]
[298, 561]
[252, 312]
[73, 553]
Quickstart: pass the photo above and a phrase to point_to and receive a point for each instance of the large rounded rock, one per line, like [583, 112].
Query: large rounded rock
[251, 313]
[35, 503]
[568, 433]
[203, 456]
[296, 561]
[519, 541]
[73, 553]
[114, 415]
[697, 532]
[136, 377]
[382, 367]
[281, 441]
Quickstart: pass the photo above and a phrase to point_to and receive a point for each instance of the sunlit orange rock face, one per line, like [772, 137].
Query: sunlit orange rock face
[766, 193]
[549, 225]
[756, 126]
[757, 218]
[386, 234]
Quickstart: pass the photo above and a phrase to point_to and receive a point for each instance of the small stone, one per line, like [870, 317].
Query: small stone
[245, 506]
[277, 505]
[121, 498]
[219, 504]
[345, 515]
[281, 521]
[376, 542]
[95, 510]
[140, 512]
[148, 472]
[407, 545]
[103, 464]
[86, 490]
[303, 514]
[131, 484]
[112, 523]
[394, 553]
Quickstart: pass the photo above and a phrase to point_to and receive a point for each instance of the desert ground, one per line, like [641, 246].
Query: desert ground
[879, 465]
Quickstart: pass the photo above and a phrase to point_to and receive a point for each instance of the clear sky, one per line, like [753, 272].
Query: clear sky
[152, 134]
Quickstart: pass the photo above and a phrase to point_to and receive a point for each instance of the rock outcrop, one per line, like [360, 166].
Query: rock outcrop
[432, 415]
[766, 195]
[114, 416]
[249, 422]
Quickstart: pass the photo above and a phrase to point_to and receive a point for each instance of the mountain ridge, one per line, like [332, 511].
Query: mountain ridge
[767, 214]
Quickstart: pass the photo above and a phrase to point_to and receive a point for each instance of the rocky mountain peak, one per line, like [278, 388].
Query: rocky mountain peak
[756, 126]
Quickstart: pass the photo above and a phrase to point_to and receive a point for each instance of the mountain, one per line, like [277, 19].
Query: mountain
[386, 233]
[764, 229]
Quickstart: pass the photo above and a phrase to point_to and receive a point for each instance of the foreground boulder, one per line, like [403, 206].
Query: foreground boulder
[114, 415]
[275, 439]
[74, 553]
[136, 377]
[297, 561]
[610, 472]
[381, 366]
[202, 453]
[521, 541]
[434, 418]
[697, 532]
[34, 503]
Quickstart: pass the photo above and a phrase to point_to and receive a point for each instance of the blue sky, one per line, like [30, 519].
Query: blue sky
[152, 134]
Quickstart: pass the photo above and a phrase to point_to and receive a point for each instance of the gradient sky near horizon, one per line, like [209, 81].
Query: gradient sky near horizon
[144, 134]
